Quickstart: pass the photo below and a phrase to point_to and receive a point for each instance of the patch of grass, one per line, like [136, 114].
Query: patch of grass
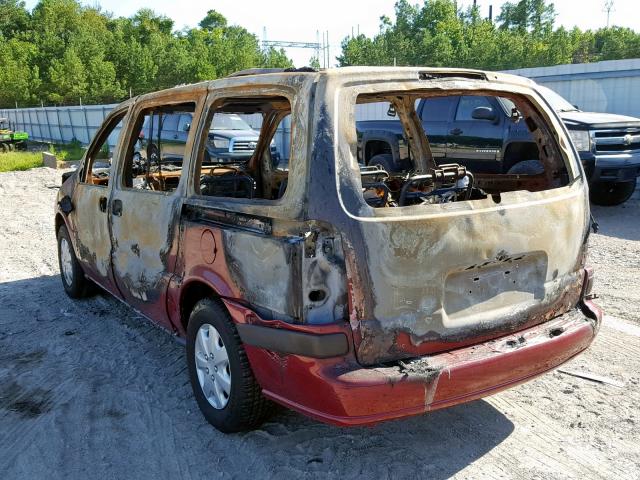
[67, 152]
[12, 161]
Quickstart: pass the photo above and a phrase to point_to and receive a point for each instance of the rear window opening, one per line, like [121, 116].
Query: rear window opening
[415, 148]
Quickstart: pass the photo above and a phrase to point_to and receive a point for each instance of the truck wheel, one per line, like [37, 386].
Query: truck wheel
[226, 391]
[527, 167]
[385, 160]
[610, 194]
[4, 148]
[12, 147]
[74, 282]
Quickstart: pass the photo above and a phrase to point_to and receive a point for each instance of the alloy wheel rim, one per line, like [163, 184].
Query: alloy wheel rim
[66, 261]
[212, 366]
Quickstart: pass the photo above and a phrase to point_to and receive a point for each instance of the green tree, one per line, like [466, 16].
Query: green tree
[14, 18]
[213, 20]
[69, 76]
[19, 77]
[438, 33]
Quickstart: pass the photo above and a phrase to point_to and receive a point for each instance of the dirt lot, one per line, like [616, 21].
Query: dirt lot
[89, 389]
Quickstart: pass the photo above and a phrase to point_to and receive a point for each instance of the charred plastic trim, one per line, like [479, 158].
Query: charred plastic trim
[221, 217]
[66, 206]
[296, 343]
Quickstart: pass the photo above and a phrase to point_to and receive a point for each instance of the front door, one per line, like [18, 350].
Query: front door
[89, 216]
[144, 209]
[435, 114]
[477, 142]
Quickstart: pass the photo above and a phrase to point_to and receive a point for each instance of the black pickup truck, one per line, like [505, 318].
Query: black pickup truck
[484, 134]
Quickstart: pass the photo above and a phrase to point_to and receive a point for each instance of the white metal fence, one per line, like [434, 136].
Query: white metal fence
[609, 86]
[58, 124]
[62, 125]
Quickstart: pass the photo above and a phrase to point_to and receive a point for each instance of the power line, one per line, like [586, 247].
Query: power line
[289, 44]
[317, 46]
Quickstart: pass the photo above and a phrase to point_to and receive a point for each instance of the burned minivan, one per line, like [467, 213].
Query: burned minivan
[353, 293]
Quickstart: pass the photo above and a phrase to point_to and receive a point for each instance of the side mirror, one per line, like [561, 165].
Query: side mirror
[187, 127]
[391, 112]
[483, 113]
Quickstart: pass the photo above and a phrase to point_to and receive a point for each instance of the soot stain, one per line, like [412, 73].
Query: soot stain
[26, 402]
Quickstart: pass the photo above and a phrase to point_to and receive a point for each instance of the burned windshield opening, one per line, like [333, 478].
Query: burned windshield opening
[417, 148]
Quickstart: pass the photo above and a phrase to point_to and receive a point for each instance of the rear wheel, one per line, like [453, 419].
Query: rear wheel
[527, 167]
[222, 380]
[385, 160]
[610, 194]
[4, 148]
[74, 282]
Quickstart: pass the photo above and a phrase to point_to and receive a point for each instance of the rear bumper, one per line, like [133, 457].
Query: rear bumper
[341, 392]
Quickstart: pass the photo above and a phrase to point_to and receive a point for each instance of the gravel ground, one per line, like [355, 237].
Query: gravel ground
[89, 389]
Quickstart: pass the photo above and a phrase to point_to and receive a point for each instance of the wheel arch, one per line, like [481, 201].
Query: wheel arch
[59, 221]
[518, 151]
[191, 293]
[376, 142]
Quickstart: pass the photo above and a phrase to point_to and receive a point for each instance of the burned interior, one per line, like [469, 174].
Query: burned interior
[262, 176]
[420, 177]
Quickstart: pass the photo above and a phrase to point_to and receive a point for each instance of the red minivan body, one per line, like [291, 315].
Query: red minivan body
[350, 293]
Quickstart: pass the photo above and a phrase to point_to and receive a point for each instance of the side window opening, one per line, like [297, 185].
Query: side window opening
[97, 166]
[467, 107]
[437, 109]
[157, 149]
[476, 159]
[245, 149]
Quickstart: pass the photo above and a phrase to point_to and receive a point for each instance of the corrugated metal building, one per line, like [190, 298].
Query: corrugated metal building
[611, 86]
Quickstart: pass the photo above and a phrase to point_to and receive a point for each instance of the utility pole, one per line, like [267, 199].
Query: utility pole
[328, 52]
[608, 7]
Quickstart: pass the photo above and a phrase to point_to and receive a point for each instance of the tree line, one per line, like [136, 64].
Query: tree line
[438, 33]
[62, 52]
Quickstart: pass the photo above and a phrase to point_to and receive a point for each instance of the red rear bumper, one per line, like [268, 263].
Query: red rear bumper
[340, 391]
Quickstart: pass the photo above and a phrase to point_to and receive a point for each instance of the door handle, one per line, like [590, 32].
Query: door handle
[116, 207]
[455, 131]
[102, 203]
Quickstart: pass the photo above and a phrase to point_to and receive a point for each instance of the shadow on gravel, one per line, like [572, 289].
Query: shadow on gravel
[622, 221]
[437, 445]
[91, 386]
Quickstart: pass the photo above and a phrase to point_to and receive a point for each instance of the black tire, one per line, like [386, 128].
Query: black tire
[609, 194]
[527, 167]
[385, 160]
[12, 147]
[77, 286]
[4, 148]
[247, 408]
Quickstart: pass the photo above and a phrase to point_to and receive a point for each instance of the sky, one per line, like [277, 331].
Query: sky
[300, 20]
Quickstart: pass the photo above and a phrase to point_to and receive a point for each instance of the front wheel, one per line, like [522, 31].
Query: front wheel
[74, 282]
[609, 194]
[221, 378]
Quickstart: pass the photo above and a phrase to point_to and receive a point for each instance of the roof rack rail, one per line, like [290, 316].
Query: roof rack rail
[262, 71]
